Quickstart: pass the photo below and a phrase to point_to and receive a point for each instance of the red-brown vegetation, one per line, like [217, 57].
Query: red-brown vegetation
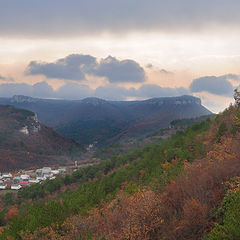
[11, 213]
[37, 148]
[182, 211]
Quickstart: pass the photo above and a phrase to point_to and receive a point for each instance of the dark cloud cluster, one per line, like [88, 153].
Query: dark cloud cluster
[10, 89]
[76, 66]
[73, 67]
[120, 71]
[215, 85]
[76, 91]
[68, 17]
[152, 90]
[71, 90]
[42, 89]
[113, 92]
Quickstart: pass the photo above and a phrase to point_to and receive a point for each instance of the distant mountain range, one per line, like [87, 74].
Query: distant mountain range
[94, 120]
[25, 143]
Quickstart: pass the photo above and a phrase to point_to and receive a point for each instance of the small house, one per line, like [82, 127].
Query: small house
[25, 177]
[33, 181]
[62, 170]
[41, 179]
[16, 187]
[46, 170]
[55, 172]
[16, 180]
[3, 186]
[39, 172]
[7, 175]
[24, 183]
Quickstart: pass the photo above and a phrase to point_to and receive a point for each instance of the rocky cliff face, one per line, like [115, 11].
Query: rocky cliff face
[183, 100]
[32, 127]
[22, 99]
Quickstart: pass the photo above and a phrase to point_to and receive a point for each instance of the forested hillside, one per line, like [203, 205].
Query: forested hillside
[124, 146]
[25, 142]
[185, 187]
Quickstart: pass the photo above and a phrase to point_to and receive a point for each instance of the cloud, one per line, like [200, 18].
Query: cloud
[6, 79]
[74, 91]
[73, 67]
[43, 90]
[231, 76]
[76, 66]
[152, 91]
[212, 84]
[10, 89]
[112, 92]
[150, 66]
[68, 17]
[157, 70]
[120, 71]
[164, 71]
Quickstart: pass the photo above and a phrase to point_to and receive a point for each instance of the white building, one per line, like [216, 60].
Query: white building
[41, 178]
[34, 181]
[7, 175]
[25, 177]
[3, 186]
[46, 170]
[55, 172]
[16, 187]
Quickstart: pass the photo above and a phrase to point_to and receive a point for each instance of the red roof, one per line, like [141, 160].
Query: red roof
[23, 182]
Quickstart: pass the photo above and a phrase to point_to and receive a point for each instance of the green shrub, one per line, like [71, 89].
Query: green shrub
[229, 213]
[221, 130]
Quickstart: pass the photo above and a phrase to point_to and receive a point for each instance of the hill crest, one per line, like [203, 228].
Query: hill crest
[25, 142]
[94, 120]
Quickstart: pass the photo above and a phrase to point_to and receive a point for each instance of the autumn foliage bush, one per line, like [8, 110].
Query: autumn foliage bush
[162, 194]
[183, 211]
[12, 212]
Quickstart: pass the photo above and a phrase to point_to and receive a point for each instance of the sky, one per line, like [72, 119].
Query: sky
[120, 50]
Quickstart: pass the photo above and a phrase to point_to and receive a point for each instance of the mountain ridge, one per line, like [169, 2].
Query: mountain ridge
[94, 120]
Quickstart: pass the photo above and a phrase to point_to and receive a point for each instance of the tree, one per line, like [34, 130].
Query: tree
[237, 97]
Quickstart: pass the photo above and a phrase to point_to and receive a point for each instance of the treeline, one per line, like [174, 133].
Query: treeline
[188, 122]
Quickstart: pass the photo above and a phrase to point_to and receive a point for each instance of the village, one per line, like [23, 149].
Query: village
[25, 178]
[19, 180]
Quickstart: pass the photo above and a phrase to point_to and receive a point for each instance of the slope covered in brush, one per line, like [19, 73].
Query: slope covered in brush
[25, 142]
[90, 186]
[169, 190]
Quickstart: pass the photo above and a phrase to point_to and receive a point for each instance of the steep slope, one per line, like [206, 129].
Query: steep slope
[89, 187]
[93, 120]
[124, 146]
[169, 190]
[24, 142]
